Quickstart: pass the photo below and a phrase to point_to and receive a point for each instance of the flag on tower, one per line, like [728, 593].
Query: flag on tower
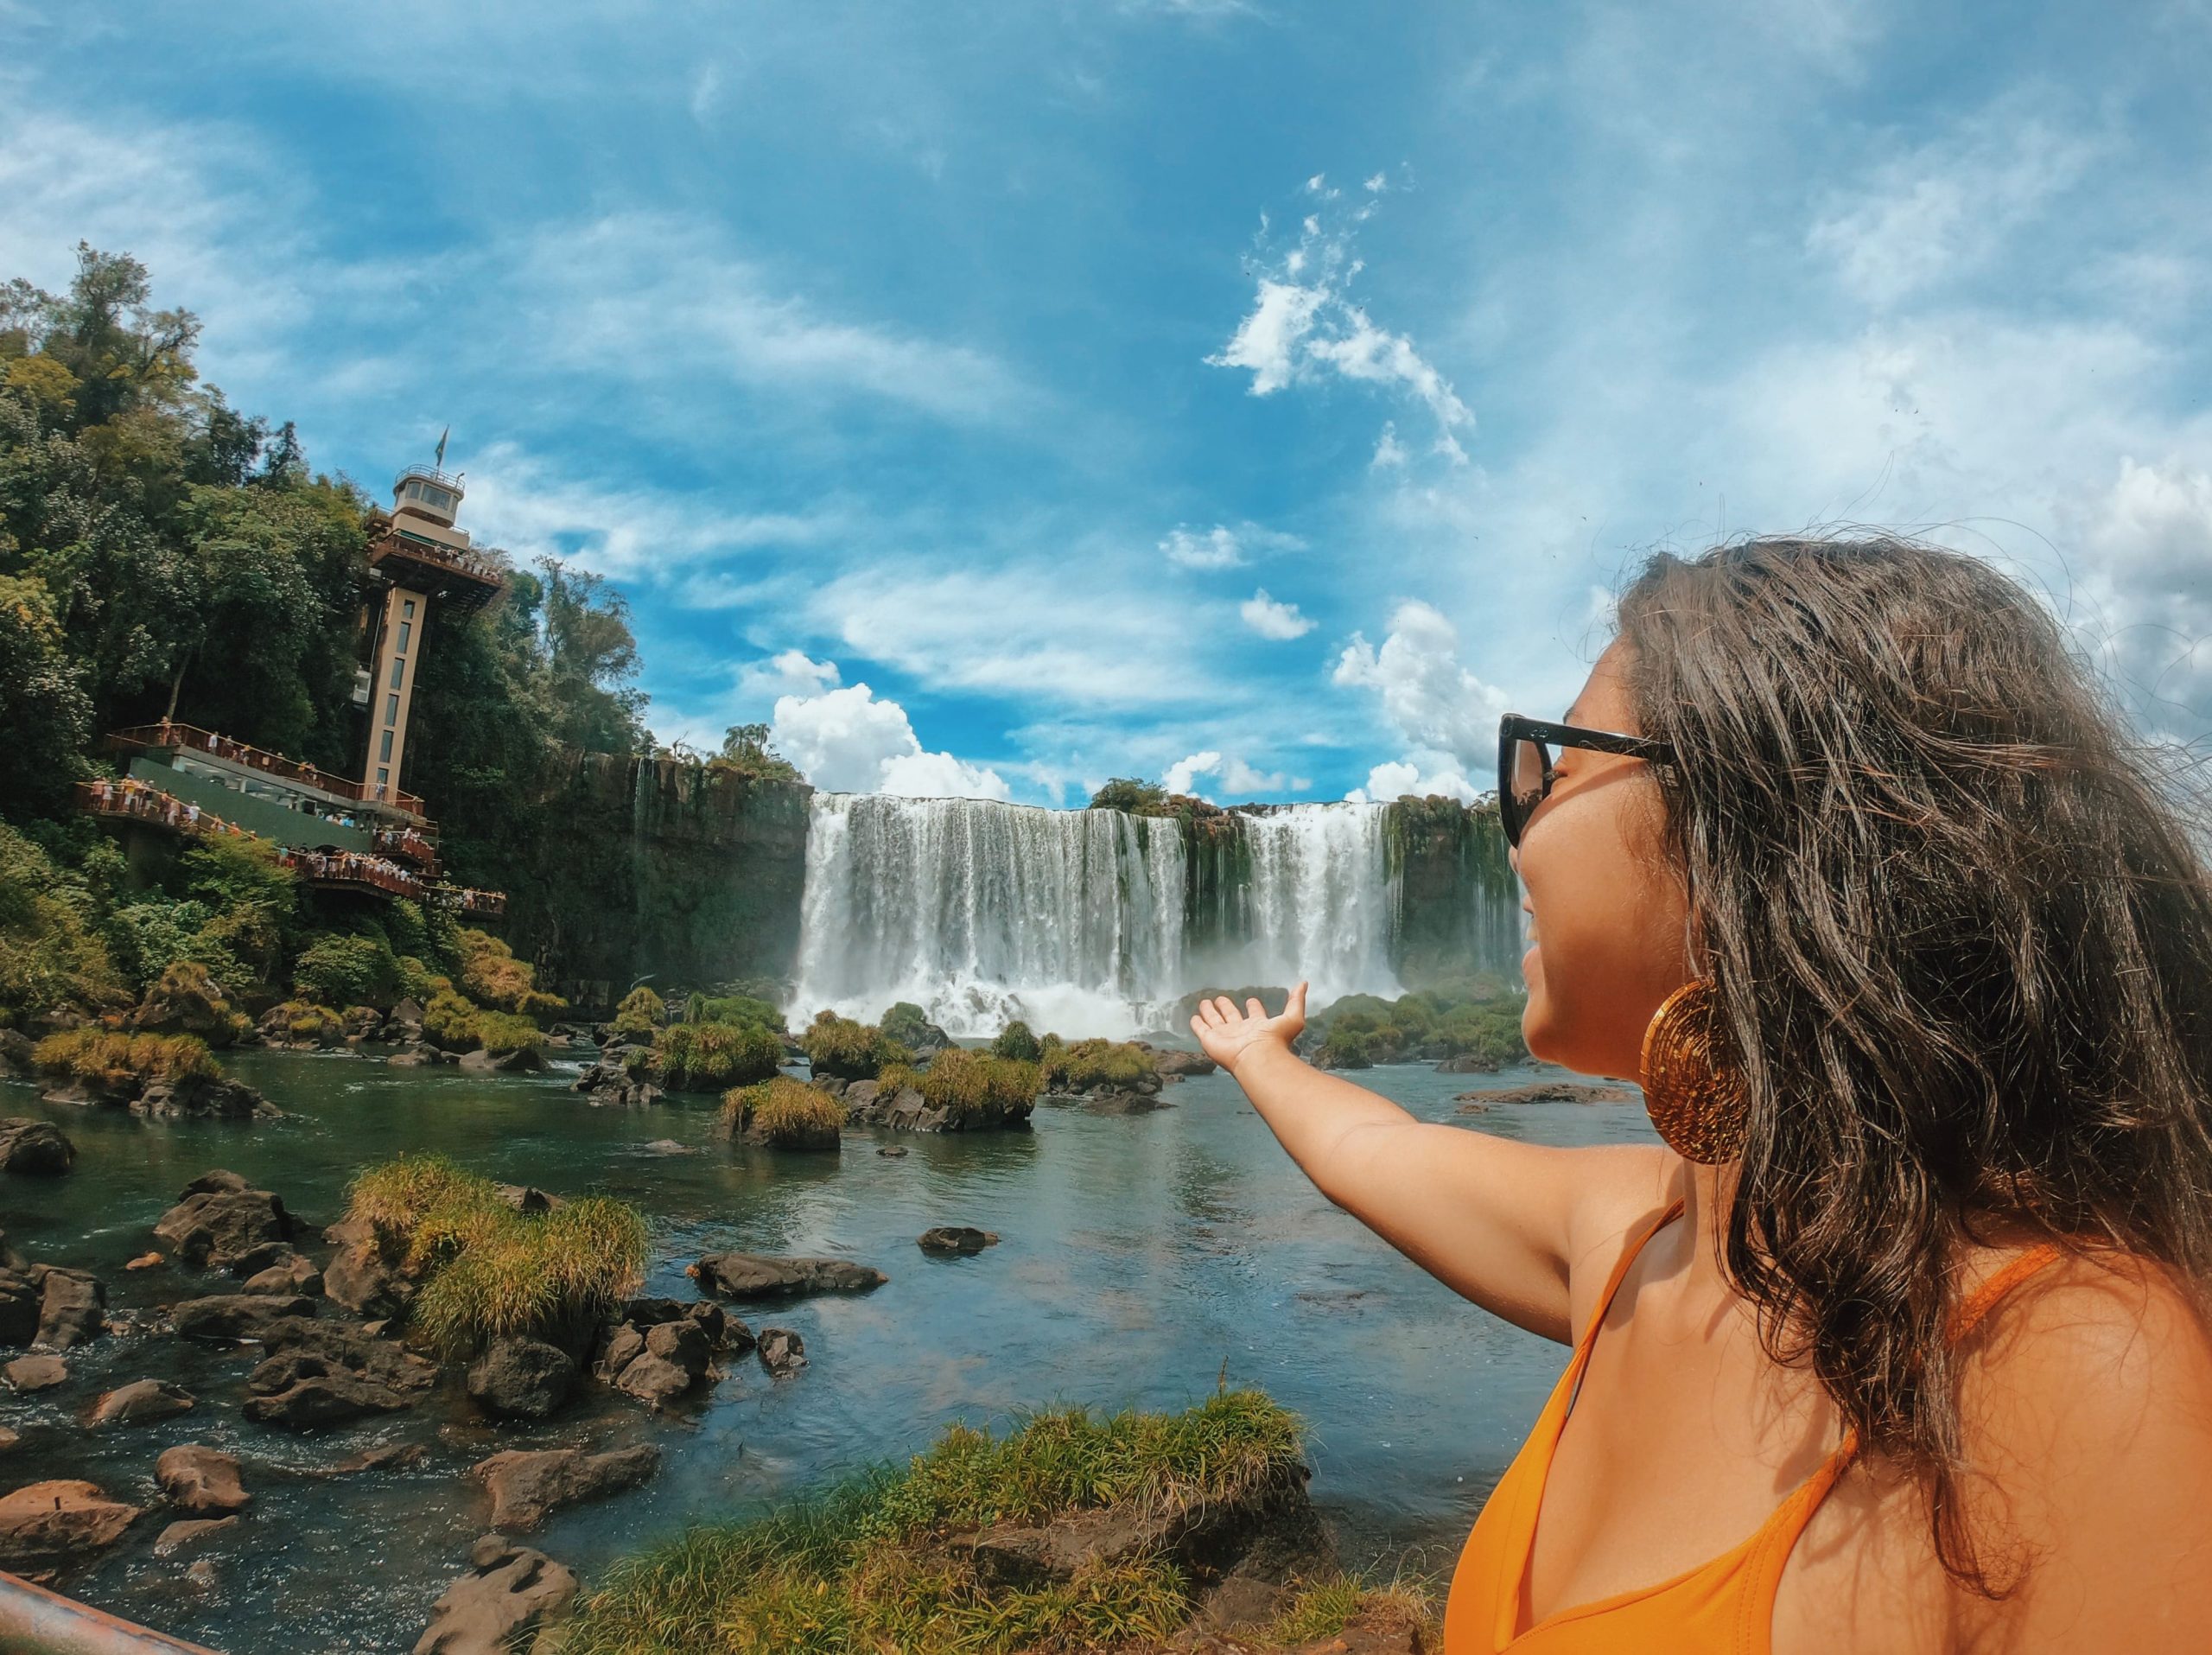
[441, 460]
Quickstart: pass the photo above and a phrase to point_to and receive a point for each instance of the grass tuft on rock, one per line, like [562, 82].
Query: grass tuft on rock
[707, 1057]
[787, 1113]
[488, 1269]
[107, 1057]
[850, 1051]
[972, 1086]
[868, 1567]
[1091, 1064]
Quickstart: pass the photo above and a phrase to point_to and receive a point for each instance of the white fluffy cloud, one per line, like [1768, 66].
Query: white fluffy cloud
[1274, 620]
[1434, 703]
[1387, 780]
[1304, 325]
[847, 741]
[1223, 546]
[791, 673]
[1238, 780]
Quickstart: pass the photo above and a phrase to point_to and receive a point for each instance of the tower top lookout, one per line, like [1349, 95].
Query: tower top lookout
[427, 493]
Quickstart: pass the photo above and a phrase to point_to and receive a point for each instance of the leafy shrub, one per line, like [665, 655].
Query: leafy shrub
[501, 1031]
[734, 1009]
[189, 1001]
[109, 1058]
[850, 1051]
[348, 972]
[1016, 1042]
[488, 1269]
[971, 1085]
[639, 1013]
[786, 1112]
[1091, 1064]
[491, 975]
[303, 1020]
[1346, 1048]
[908, 1025]
[1130, 793]
[450, 1019]
[707, 1057]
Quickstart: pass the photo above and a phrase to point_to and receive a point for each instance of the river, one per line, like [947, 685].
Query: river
[1141, 1257]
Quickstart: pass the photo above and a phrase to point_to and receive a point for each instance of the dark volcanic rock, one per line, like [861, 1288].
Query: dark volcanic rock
[955, 1238]
[508, 1595]
[140, 1401]
[35, 1148]
[296, 1275]
[609, 1085]
[219, 1217]
[237, 1316]
[757, 1275]
[46, 1526]
[1179, 1063]
[324, 1373]
[200, 1482]
[524, 1060]
[782, 1352]
[1470, 1063]
[519, 1377]
[203, 1097]
[73, 1307]
[526, 1485]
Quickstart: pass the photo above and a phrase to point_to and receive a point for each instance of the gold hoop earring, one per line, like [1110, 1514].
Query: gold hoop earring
[1696, 1099]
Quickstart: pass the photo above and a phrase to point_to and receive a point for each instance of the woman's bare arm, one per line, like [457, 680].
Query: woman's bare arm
[1501, 1222]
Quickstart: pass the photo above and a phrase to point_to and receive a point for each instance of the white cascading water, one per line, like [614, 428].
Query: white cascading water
[1322, 907]
[981, 913]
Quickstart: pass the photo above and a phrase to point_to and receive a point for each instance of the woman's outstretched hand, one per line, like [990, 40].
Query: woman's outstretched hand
[1226, 1034]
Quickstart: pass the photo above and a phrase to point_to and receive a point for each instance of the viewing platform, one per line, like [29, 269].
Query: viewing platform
[252, 770]
[416, 546]
[140, 802]
[410, 845]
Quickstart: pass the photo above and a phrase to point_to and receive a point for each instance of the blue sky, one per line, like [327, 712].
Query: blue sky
[1000, 397]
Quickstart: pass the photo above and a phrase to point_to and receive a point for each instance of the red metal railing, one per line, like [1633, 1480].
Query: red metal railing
[142, 803]
[489, 904]
[169, 734]
[405, 844]
[397, 542]
[354, 869]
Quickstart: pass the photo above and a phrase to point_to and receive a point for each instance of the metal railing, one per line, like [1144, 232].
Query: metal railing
[191, 738]
[143, 803]
[398, 541]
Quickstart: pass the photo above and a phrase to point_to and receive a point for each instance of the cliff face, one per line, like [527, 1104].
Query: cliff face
[686, 874]
[1457, 901]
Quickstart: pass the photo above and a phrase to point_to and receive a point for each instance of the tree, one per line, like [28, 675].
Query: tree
[591, 658]
[45, 716]
[745, 750]
[1130, 793]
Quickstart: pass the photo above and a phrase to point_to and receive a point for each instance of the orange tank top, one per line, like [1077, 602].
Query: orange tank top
[1726, 1604]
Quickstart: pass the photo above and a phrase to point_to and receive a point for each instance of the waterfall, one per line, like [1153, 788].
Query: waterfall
[1322, 908]
[1075, 920]
[981, 913]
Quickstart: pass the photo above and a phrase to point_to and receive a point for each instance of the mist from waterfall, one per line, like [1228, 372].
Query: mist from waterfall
[1074, 921]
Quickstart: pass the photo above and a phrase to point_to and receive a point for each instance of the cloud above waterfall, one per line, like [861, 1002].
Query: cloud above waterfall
[1304, 326]
[792, 672]
[1238, 779]
[1398, 777]
[848, 741]
[1445, 716]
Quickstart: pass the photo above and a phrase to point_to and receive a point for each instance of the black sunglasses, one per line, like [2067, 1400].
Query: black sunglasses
[1524, 763]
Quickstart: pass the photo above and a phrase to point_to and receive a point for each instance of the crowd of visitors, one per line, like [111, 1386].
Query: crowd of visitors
[354, 866]
[130, 797]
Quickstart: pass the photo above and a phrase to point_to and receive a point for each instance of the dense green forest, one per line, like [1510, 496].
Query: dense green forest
[163, 553]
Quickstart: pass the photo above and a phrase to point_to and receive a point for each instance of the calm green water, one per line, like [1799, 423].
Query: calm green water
[1141, 1256]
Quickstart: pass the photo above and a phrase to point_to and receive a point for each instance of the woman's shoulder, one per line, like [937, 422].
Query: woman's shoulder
[2085, 1411]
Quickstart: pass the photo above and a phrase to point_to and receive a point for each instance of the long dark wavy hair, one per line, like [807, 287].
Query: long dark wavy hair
[1961, 935]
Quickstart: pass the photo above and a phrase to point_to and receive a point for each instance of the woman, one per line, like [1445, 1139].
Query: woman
[1901, 1345]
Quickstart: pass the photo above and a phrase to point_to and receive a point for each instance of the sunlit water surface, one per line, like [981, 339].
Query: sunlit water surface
[1141, 1257]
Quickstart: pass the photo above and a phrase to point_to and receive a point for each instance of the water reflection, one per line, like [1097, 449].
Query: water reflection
[1141, 1257]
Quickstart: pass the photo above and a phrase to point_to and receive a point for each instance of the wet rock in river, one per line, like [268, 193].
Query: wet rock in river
[955, 1238]
[520, 1376]
[1172, 1065]
[239, 1316]
[387, 1456]
[358, 1276]
[73, 1307]
[296, 1275]
[203, 1097]
[782, 1352]
[1544, 1091]
[192, 1531]
[509, 1595]
[758, 1276]
[527, 1485]
[139, 1403]
[524, 1060]
[49, 1525]
[35, 1149]
[664, 1348]
[322, 1373]
[220, 1218]
[1470, 1063]
[35, 1373]
[21, 1300]
[200, 1482]
[611, 1085]
[529, 1199]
